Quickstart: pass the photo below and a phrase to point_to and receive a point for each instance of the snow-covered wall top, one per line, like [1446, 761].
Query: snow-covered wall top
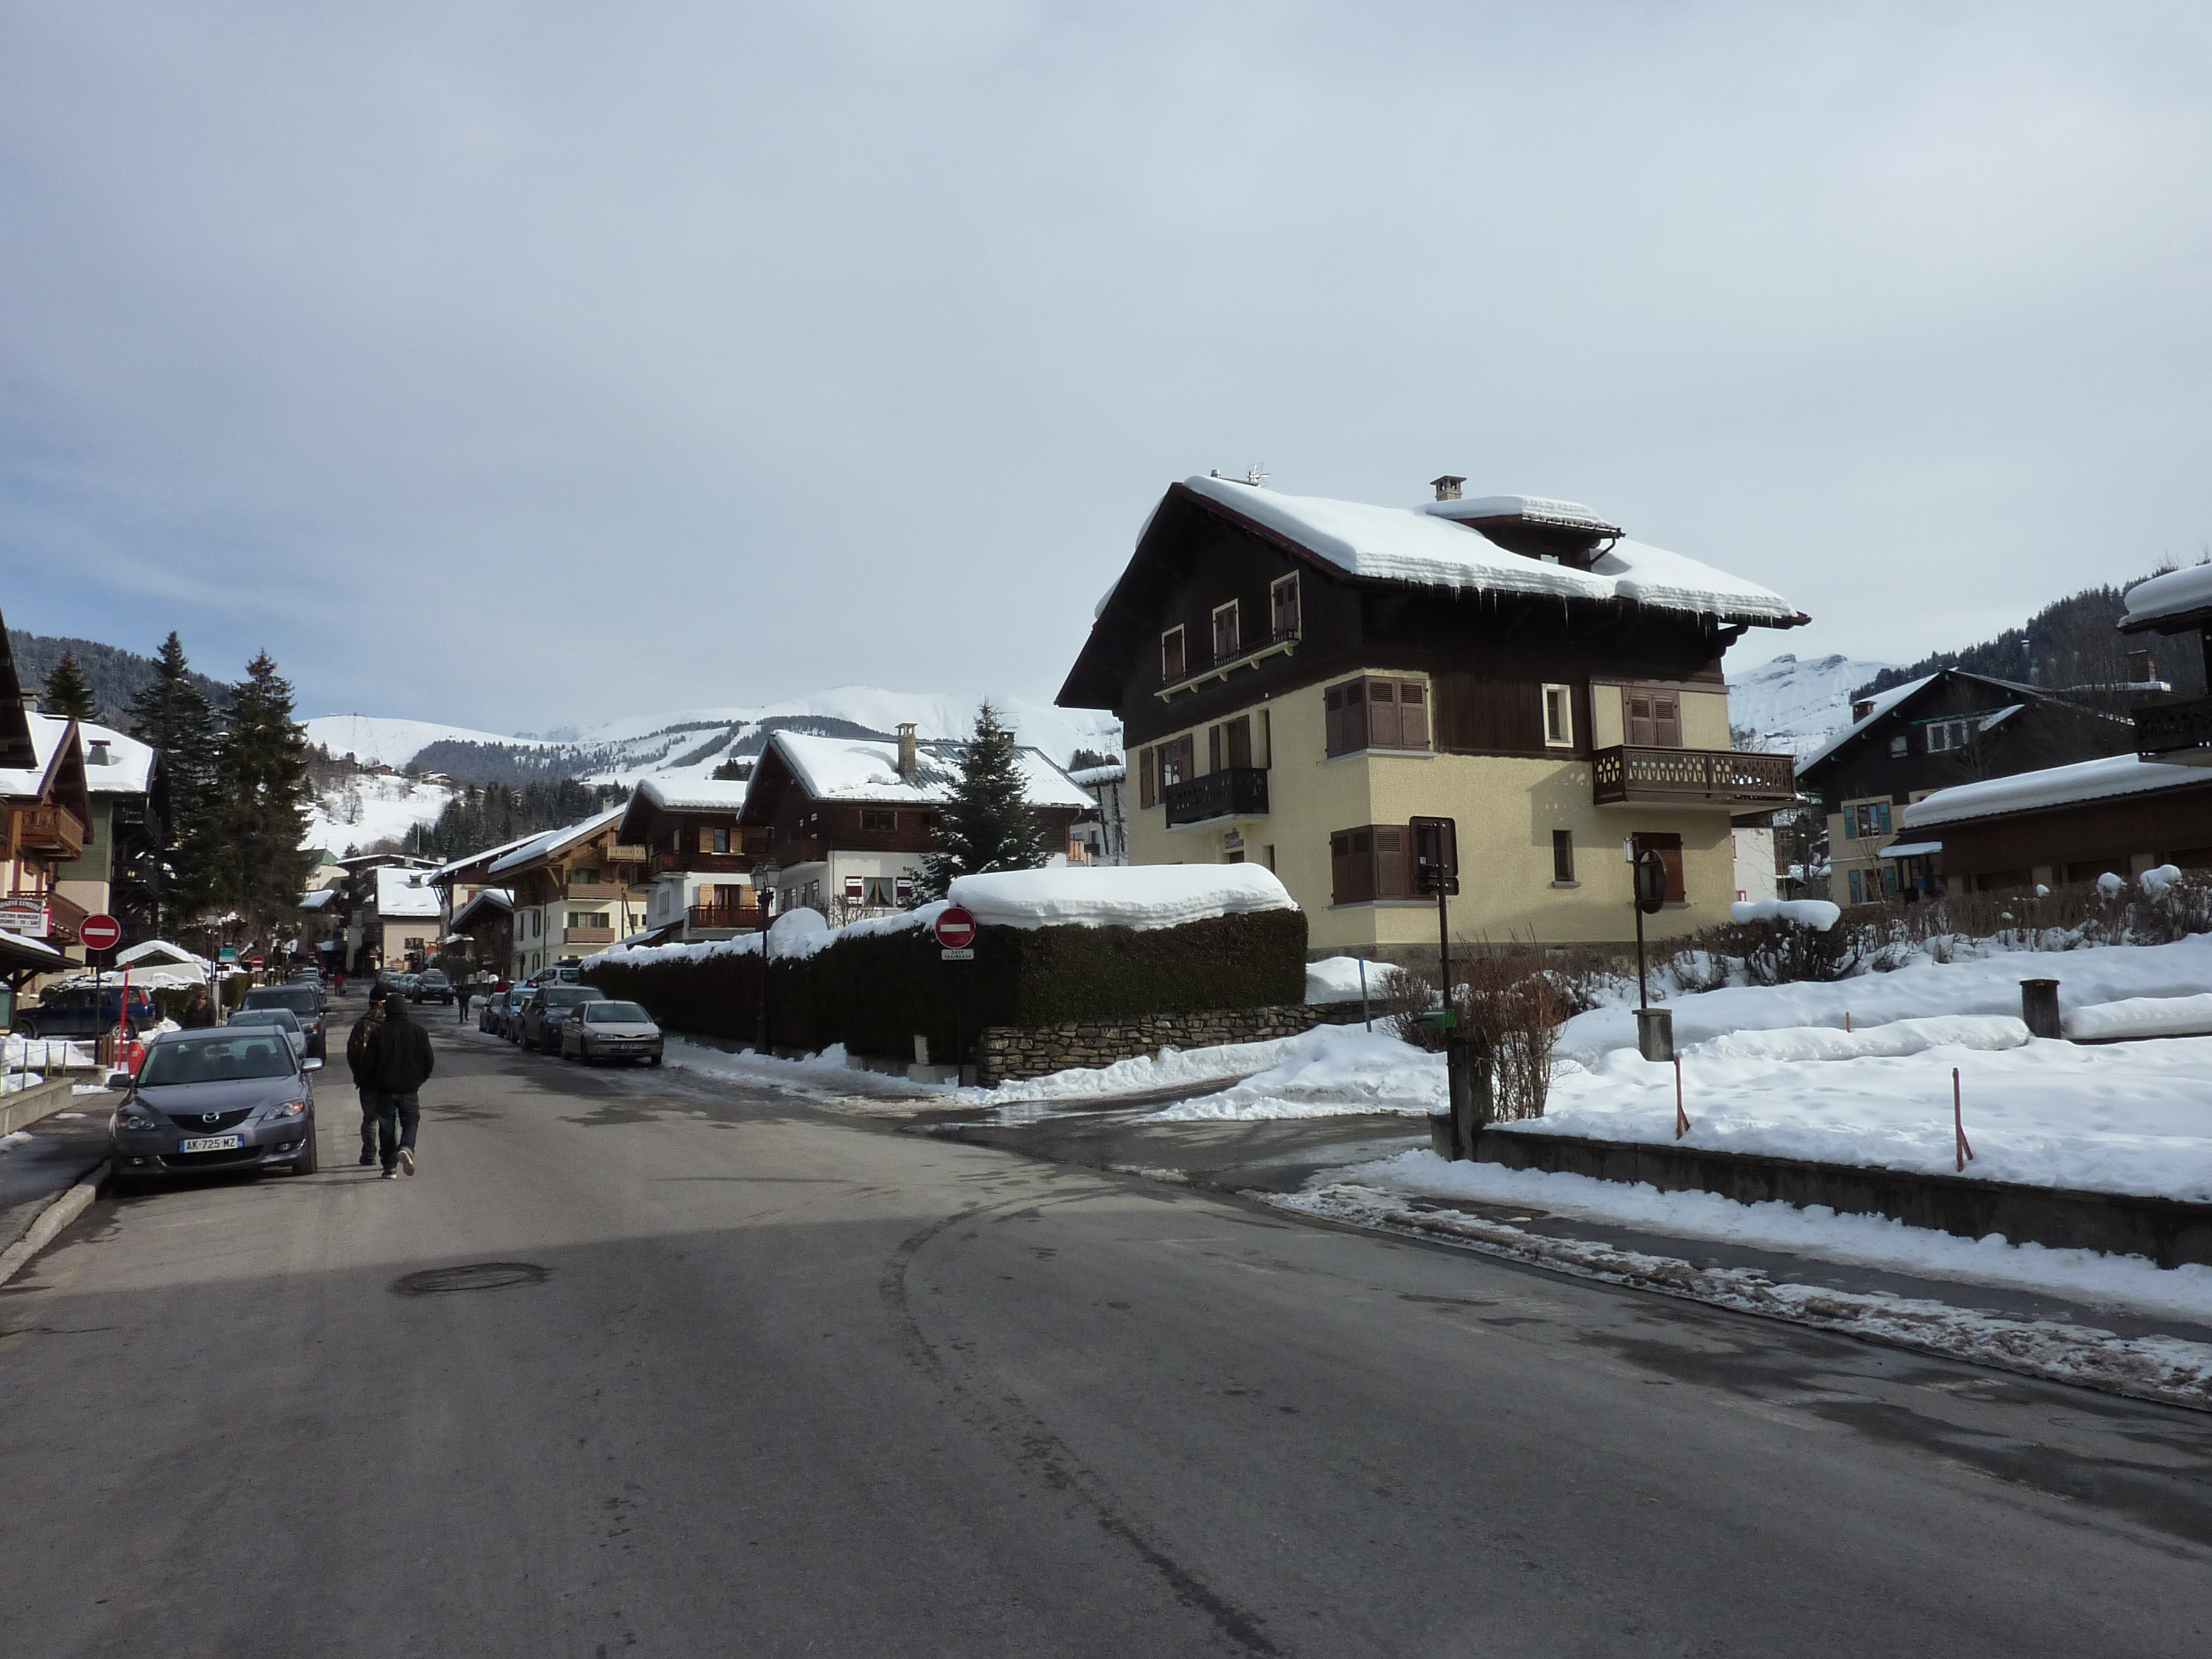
[1418, 545]
[2055, 786]
[2175, 594]
[1133, 895]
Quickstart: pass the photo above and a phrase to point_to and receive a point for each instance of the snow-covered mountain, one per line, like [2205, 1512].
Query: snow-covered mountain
[364, 810]
[1792, 705]
[372, 740]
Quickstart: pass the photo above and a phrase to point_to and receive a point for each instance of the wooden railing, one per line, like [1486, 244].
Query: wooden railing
[1234, 791]
[2169, 730]
[1711, 777]
[53, 830]
[746, 918]
[592, 889]
[587, 936]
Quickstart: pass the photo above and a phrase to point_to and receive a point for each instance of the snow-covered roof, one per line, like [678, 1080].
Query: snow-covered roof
[2177, 593]
[2054, 786]
[46, 733]
[694, 794]
[1092, 777]
[856, 769]
[28, 951]
[1909, 849]
[320, 899]
[1880, 704]
[453, 866]
[1108, 896]
[159, 951]
[1425, 545]
[129, 768]
[491, 898]
[404, 893]
[552, 841]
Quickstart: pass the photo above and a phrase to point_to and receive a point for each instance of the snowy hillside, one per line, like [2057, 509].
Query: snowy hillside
[365, 810]
[1790, 705]
[393, 743]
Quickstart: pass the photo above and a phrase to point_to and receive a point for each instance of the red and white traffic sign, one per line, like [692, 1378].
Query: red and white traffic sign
[101, 932]
[956, 928]
[257, 963]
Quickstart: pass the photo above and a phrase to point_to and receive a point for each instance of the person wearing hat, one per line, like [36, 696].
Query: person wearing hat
[358, 1044]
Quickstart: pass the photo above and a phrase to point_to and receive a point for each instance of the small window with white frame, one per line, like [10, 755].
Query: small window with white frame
[1558, 717]
[1946, 735]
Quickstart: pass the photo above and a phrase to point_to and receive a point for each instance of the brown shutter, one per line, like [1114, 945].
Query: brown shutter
[1413, 715]
[1240, 741]
[1639, 721]
[1148, 777]
[1355, 716]
[1332, 721]
[1666, 721]
[1214, 749]
[1382, 714]
[1340, 868]
[1390, 862]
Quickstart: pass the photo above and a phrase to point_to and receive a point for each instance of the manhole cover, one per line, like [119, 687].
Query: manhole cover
[476, 1276]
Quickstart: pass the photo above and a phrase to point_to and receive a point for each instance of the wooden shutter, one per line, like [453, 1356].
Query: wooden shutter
[1382, 714]
[1355, 716]
[1413, 715]
[1148, 777]
[1214, 749]
[1171, 654]
[1667, 720]
[1224, 632]
[1332, 721]
[1286, 609]
[1669, 848]
[1348, 870]
[1239, 746]
[1640, 720]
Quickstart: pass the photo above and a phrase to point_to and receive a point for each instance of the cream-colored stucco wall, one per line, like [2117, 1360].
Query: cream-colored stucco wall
[1506, 810]
[1705, 718]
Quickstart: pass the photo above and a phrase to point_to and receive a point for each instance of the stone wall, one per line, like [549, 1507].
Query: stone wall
[1007, 1052]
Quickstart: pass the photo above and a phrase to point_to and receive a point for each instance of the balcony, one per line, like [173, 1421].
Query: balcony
[729, 918]
[587, 936]
[1234, 791]
[1196, 673]
[1729, 778]
[50, 830]
[592, 889]
[704, 864]
[2179, 733]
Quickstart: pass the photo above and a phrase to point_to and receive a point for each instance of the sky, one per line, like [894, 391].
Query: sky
[521, 365]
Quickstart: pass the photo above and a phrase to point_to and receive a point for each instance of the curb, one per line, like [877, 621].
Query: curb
[64, 1208]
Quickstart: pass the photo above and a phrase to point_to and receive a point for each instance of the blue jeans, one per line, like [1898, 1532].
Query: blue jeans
[396, 1118]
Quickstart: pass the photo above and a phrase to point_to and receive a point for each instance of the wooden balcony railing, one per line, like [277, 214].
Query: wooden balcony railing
[745, 918]
[587, 936]
[1744, 782]
[53, 830]
[2175, 730]
[704, 864]
[1234, 791]
[592, 889]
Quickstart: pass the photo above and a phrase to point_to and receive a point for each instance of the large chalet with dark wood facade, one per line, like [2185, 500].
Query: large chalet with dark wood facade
[1299, 677]
[700, 859]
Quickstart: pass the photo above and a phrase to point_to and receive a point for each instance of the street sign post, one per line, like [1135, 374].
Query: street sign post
[100, 932]
[956, 939]
[1435, 870]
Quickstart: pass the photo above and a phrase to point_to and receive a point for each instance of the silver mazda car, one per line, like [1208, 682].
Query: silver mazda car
[236, 1098]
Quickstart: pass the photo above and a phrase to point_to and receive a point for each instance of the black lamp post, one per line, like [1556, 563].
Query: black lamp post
[765, 878]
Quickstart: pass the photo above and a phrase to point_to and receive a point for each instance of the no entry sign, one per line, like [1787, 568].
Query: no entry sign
[101, 932]
[956, 928]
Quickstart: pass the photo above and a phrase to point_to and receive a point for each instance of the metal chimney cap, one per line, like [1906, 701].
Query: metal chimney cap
[1446, 487]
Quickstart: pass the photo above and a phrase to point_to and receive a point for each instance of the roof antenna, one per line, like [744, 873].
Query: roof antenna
[1254, 474]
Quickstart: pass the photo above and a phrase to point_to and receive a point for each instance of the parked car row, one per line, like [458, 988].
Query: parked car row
[577, 1022]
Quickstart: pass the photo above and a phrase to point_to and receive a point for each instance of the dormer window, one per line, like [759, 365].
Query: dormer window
[1225, 632]
[1173, 663]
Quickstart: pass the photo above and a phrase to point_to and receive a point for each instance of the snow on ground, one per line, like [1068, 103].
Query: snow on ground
[1986, 984]
[2140, 1017]
[1341, 979]
[818, 1074]
[43, 1053]
[371, 808]
[373, 739]
[1867, 1241]
[1330, 1071]
[1168, 1069]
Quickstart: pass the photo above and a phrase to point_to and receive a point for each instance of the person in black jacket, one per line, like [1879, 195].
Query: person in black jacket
[199, 1013]
[399, 1062]
[364, 1031]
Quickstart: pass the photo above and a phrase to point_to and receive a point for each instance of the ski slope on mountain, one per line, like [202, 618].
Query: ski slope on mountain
[374, 741]
[1792, 705]
[373, 807]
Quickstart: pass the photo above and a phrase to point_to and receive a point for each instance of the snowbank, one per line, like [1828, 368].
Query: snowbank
[2140, 1017]
[1330, 1071]
[1107, 895]
[1338, 979]
[1816, 913]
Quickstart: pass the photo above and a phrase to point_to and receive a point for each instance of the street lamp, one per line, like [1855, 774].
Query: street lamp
[766, 875]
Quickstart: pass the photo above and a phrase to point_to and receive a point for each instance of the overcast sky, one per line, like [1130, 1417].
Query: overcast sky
[517, 365]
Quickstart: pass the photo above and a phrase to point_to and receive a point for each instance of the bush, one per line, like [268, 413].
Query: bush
[1512, 1000]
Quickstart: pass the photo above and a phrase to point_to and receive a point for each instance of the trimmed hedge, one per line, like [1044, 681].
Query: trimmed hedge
[876, 992]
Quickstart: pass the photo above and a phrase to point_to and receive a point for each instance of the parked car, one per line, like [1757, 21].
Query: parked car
[304, 1001]
[236, 1098]
[556, 975]
[539, 1023]
[282, 1019]
[72, 1010]
[499, 1009]
[431, 987]
[608, 1029]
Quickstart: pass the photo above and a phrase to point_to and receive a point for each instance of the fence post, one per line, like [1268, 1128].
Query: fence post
[2039, 1007]
[1959, 1124]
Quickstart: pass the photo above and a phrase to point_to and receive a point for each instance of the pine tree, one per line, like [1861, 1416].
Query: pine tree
[174, 716]
[68, 691]
[987, 824]
[262, 791]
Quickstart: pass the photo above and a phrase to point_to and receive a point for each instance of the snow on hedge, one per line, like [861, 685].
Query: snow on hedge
[1339, 979]
[2175, 594]
[1816, 913]
[2140, 1017]
[1108, 896]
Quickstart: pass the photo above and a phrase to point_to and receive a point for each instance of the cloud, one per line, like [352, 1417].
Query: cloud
[522, 366]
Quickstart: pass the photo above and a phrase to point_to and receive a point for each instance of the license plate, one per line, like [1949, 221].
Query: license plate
[211, 1144]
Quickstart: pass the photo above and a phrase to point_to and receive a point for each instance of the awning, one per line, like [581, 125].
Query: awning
[1909, 849]
[16, 951]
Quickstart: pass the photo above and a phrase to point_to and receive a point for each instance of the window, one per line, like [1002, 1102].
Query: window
[1178, 761]
[1376, 713]
[1171, 655]
[1228, 744]
[1857, 892]
[1867, 819]
[1267, 855]
[1558, 718]
[587, 919]
[1946, 735]
[882, 892]
[903, 889]
[722, 840]
[1669, 849]
[1897, 746]
[1148, 777]
[877, 820]
[413, 945]
[1227, 640]
[1654, 719]
[584, 875]
[1283, 597]
[1562, 855]
[1368, 863]
[854, 887]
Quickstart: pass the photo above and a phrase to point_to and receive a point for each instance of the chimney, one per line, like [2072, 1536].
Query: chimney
[2143, 668]
[1447, 487]
[910, 753]
[30, 701]
[96, 753]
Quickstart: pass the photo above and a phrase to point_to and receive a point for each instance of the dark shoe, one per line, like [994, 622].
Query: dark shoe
[392, 1175]
[407, 1159]
[367, 1156]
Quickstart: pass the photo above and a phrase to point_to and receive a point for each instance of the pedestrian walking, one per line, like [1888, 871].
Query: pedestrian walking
[461, 1001]
[199, 1013]
[357, 1061]
[399, 1064]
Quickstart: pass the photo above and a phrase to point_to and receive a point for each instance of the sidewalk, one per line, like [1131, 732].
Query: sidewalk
[49, 1156]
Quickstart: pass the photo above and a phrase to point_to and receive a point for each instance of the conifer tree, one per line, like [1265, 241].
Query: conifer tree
[262, 791]
[68, 691]
[173, 717]
[987, 824]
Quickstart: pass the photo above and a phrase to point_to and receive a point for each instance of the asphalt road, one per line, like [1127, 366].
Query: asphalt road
[748, 1378]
